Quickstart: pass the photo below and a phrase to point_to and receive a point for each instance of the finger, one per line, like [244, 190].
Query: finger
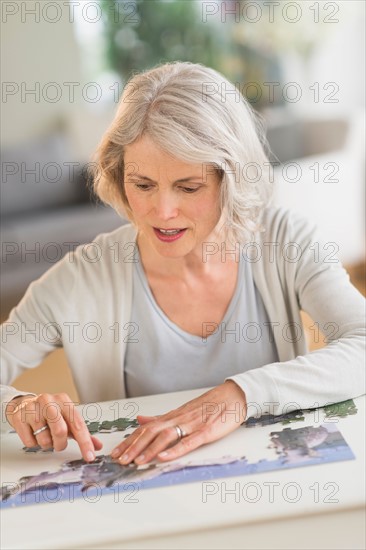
[27, 419]
[119, 449]
[166, 437]
[183, 447]
[138, 445]
[44, 438]
[156, 426]
[16, 406]
[97, 443]
[51, 438]
[51, 415]
[25, 432]
[79, 431]
[143, 419]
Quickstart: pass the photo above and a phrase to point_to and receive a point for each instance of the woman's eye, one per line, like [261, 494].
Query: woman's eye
[189, 189]
[147, 187]
[142, 186]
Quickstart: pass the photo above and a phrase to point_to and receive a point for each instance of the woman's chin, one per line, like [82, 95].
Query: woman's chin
[171, 251]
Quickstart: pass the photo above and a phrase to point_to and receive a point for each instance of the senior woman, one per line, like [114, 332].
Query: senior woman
[202, 289]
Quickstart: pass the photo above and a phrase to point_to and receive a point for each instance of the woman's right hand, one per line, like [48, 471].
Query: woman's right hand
[28, 414]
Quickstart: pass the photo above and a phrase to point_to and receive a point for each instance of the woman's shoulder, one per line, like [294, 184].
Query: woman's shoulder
[283, 225]
[105, 255]
[108, 251]
[124, 234]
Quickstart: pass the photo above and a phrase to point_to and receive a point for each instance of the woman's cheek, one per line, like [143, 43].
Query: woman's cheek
[138, 204]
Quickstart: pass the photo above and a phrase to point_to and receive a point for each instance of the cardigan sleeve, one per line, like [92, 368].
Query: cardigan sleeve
[320, 286]
[34, 327]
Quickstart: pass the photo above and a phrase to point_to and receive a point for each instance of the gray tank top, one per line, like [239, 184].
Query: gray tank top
[161, 357]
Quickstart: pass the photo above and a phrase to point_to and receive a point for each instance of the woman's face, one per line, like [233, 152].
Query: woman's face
[175, 205]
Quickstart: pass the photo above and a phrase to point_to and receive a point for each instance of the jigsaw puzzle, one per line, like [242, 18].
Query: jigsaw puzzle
[286, 448]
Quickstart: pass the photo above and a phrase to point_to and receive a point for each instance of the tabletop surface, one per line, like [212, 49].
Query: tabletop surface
[259, 496]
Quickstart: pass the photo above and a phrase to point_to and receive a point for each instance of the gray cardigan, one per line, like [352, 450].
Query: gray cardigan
[83, 304]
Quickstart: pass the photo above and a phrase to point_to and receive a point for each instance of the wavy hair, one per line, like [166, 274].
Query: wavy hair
[195, 114]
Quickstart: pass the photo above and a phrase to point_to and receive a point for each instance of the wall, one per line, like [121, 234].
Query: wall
[37, 53]
[337, 69]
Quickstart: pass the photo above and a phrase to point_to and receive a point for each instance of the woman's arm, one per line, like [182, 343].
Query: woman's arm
[18, 353]
[29, 335]
[31, 331]
[317, 284]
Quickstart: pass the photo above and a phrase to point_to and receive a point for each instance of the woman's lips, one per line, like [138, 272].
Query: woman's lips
[168, 238]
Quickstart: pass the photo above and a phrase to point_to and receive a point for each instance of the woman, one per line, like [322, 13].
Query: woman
[204, 288]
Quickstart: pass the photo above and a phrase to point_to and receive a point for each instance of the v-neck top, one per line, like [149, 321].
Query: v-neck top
[161, 357]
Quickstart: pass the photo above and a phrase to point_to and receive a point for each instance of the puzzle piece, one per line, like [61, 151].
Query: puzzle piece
[109, 426]
[268, 419]
[37, 449]
[119, 425]
[342, 409]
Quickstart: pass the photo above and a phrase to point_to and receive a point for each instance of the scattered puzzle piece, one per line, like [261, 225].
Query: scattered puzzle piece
[37, 449]
[268, 419]
[109, 426]
[341, 410]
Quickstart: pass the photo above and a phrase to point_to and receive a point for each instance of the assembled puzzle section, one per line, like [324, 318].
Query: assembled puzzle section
[289, 447]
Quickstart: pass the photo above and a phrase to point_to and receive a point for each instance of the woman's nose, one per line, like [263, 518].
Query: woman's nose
[166, 205]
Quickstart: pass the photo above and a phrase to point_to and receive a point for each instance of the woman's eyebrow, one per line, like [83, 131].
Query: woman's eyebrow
[181, 180]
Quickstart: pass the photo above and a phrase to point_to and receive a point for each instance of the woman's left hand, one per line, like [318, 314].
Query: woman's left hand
[207, 418]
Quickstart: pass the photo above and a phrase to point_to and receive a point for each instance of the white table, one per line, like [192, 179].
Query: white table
[177, 516]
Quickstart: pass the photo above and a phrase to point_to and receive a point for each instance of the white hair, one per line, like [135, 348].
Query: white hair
[195, 114]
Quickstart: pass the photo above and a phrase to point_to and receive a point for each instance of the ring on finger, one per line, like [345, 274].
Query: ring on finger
[46, 427]
[180, 432]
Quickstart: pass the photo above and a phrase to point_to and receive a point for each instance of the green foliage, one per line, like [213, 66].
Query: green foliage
[142, 33]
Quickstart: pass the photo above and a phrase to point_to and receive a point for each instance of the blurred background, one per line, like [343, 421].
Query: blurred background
[300, 64]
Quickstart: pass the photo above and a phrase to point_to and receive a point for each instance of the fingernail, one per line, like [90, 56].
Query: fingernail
[140, 458]
[115, 453]
[164, 453]
[90, 456]
[124, 458]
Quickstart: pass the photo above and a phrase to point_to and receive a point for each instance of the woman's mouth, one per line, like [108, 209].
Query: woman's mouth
[169, 235]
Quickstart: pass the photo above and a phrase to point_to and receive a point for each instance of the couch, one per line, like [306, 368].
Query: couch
[46, 209]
